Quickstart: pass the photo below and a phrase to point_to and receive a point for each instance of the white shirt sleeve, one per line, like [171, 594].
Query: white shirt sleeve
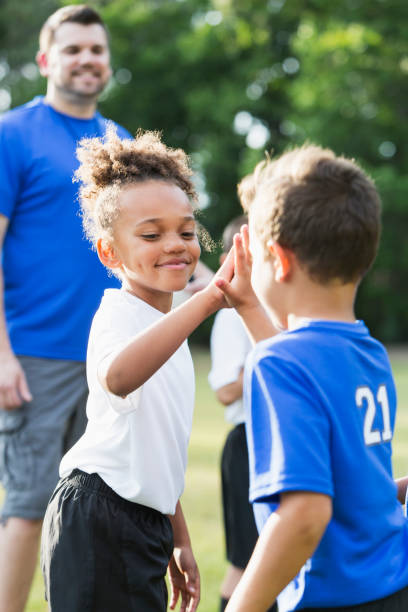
[229, 347]
[107, 342]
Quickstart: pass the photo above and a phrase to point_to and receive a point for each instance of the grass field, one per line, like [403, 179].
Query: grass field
[201, 500]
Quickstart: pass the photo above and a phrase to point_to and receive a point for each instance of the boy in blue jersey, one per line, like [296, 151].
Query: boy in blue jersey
[320, 396]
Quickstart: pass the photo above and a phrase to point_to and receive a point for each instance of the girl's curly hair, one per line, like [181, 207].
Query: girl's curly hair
[108, 164]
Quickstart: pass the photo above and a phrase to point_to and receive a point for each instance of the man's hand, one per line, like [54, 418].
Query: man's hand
[184, 579]
[13, 384]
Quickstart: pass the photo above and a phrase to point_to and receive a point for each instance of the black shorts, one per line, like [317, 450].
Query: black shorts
[102, 553]
[397, 602]
[240, 530]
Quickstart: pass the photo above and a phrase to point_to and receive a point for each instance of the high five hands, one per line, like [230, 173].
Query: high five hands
[233, 279]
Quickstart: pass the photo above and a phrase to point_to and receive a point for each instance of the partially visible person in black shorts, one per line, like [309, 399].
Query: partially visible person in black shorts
[230, 345]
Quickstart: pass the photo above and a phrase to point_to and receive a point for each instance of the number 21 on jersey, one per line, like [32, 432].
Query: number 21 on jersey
[365, 399]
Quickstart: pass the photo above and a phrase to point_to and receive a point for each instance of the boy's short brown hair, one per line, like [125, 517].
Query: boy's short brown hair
[323, 208]
[74, 13]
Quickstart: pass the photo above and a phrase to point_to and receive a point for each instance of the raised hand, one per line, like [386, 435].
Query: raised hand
[235, 284]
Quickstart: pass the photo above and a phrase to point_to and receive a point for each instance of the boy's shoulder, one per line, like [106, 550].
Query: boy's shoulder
[319, 341]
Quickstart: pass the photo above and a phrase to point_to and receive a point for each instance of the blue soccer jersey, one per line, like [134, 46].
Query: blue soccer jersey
[321, 404]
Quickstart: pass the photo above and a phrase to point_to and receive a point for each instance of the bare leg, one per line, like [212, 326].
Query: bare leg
[19, 541]
[231, 579]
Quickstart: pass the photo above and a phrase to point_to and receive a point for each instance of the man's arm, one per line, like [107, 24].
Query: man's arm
[183, 571]
[288, 539]
[13, 385]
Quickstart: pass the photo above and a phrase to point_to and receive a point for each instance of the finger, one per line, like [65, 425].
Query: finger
[240, 258]
[193, 603]
[224, 286]
[23, 389]
[245, 240]
[174, 597]
[227, 268]
[12, 399]
[193, 587]
[191, 582]
[184, 601]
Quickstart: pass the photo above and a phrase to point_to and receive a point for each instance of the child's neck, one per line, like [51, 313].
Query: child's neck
[159, 301]
[333, 303]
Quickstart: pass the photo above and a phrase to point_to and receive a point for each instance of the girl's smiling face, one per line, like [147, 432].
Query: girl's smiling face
[155, 243]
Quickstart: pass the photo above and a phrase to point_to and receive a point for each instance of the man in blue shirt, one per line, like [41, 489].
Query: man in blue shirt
[320, 397]
[52, 283]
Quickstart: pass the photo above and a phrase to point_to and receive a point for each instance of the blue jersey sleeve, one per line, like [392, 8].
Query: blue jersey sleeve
[11, 169]
[288, 431]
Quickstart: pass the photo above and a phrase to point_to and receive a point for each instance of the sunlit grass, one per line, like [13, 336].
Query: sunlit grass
[201, 500]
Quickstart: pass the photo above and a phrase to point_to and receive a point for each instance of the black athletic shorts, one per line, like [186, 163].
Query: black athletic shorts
[397, 602]
[102, 553]
[240, 530]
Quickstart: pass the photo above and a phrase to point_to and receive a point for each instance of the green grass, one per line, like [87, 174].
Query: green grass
[201, 500]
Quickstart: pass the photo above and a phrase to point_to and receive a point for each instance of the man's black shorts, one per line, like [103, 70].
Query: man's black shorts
[240, 530]
[102, 553]
[397, 602]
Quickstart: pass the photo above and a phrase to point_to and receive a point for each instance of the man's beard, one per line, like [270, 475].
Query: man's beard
[79, 96]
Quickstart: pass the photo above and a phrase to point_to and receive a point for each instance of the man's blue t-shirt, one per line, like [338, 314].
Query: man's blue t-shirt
[53, 280]
[321, 406]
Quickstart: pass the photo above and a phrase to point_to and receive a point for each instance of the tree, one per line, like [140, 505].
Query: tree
[227, 80]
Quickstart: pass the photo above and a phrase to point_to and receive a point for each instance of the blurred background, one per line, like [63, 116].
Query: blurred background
[229, 79]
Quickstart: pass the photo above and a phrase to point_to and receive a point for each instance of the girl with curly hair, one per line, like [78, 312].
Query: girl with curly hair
[114, 524]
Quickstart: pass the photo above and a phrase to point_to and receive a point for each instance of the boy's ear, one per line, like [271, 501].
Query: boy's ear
[282, 262]
[42, 62]
[107, 255]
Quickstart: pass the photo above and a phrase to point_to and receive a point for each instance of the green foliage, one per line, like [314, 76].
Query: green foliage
[226, 80]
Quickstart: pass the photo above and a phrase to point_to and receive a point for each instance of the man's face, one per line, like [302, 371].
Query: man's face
[78, 62]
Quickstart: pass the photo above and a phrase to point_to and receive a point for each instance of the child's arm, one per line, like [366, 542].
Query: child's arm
[239, 294]
[288, 539]
[149, 350]
[402, 484]
[183, 571]
[231, 392]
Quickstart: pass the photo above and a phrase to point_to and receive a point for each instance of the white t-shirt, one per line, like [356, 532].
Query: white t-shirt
[229, 347]
[138, 445]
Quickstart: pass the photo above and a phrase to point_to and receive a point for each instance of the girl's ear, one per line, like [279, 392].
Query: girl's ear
[107, 254]
[282, 262]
